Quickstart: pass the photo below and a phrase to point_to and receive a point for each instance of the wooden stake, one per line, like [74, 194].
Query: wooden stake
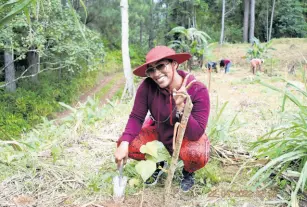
[181, 129]
[209, 81]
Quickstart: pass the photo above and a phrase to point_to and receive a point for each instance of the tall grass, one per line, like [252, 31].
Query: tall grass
[286, 145]
[220, 127]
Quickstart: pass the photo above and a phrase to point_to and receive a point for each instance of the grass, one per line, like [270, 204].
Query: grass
[76, 158]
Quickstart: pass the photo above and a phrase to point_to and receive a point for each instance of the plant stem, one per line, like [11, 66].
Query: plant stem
[142, 198]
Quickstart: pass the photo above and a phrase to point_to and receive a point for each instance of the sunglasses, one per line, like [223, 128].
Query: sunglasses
[152, 69]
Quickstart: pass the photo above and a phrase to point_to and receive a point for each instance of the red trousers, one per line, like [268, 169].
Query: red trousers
[194, 154]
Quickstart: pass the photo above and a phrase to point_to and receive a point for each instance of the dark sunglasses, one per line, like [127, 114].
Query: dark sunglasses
[152, 69]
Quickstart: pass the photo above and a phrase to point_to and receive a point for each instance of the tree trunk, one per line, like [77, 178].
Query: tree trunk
[33, 64]
[252, 20]
[9, 72]
[130, 91]
[267, 21]
[151, 29]
[245, 22]
[141, 33]
[223, 20]
[194, 17]
[271, 23]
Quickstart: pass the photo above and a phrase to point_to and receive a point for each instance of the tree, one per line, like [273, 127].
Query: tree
[290, 20]
[33, 63]
[271, 22]
[151, 30]
[9, 72]
[129, 90]
[252, 20]
[245, 22]
[267, 21]
[49, 43]
[189, 40]
[138, 15]
[223, 20]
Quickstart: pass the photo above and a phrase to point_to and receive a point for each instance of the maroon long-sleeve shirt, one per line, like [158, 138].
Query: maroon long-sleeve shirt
[151, 97]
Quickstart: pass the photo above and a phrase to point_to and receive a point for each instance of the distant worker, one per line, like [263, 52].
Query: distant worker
[225, 63]
[211, 65]
[256, 63]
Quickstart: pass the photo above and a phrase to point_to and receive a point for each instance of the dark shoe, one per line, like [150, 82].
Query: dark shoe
[156, 175]
[188, 181]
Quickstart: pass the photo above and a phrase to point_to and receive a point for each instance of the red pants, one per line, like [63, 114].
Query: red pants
[194, 154]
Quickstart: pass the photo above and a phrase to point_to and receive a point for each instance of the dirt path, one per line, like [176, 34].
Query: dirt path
[91, 93]
[113, 90]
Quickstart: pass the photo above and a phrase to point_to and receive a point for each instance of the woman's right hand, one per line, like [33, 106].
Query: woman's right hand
[121, 152]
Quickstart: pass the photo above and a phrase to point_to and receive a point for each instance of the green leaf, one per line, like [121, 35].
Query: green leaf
[283, 158]
[302, 180]
[150, 148]
[85, 11]
[8, 4]
[73, 12]
[26, 10]
[145, 168]
[68, 107]
[19, 7]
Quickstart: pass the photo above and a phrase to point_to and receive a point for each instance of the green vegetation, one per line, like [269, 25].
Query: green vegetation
[285, 146]
[53, 51]
[258, 50]
[25, 108]
[49, 65]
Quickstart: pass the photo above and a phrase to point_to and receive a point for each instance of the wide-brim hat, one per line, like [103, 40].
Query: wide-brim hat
[159, 53]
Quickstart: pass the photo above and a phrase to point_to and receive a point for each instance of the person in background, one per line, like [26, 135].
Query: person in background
[160, 94]
[211, 65]
[256, 64]
[225, 63]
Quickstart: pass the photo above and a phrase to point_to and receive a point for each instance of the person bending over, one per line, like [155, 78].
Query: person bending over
[225, 63]
[211, 65]
[256, 64]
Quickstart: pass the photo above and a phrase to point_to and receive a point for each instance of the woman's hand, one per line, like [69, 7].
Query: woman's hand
[181, 94]
[121, 153]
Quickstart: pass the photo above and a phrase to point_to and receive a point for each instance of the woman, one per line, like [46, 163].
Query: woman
[225, 63]
[161, 94]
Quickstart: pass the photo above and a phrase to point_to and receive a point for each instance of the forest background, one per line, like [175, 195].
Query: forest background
[53, 51]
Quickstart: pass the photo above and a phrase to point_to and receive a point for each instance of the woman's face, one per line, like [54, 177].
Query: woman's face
[161, 72]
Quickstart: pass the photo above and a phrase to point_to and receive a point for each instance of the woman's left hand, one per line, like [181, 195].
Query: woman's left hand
[181, 94]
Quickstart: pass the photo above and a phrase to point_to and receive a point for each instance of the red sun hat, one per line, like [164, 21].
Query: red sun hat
[158, 53]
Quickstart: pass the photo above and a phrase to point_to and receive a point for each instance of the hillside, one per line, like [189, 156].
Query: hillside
[72, 164]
